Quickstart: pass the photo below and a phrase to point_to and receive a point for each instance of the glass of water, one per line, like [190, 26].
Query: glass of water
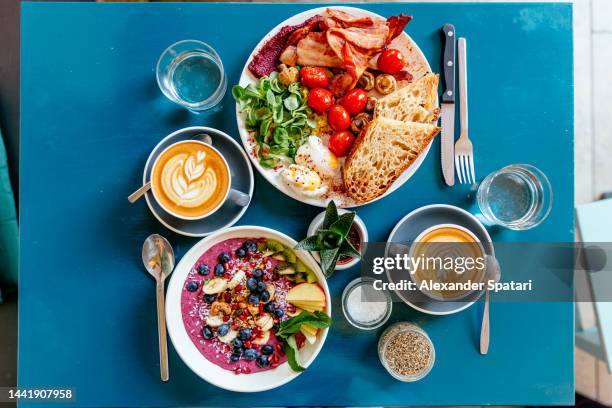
[518, 197]
[190, 73]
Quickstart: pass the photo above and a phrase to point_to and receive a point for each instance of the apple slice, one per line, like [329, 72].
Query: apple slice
[310, 338]
[309, 292]
[310, 329]
[308, 308]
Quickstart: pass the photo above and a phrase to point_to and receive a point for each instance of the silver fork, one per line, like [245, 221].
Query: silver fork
[464, 151]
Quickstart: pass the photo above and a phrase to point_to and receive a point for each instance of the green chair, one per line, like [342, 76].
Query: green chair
[9, 246]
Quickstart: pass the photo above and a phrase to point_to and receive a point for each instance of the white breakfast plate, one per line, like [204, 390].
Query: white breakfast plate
[261, 381]
[272, 175]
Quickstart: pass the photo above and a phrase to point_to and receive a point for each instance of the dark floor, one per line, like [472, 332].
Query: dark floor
[8, 342]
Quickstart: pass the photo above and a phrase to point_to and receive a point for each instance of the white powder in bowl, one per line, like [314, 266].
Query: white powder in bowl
[366, 304]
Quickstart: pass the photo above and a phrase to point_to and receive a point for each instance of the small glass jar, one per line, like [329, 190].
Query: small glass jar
[391, 333]
[379, 302]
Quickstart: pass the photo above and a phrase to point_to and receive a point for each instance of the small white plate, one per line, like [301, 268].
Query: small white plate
[272, 175]
[261, 381]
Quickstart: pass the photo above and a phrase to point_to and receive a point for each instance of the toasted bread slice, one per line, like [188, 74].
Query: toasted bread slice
[383, 151]
[413, 103]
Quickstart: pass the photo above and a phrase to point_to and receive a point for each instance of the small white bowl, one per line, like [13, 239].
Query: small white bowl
[315, 225]
[187, 351]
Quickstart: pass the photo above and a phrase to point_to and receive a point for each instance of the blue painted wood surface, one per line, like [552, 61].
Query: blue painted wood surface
[91, 112]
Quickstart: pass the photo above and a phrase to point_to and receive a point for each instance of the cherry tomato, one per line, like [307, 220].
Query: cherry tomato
[354, 101]
[313, 77]
[320, 99]
[391, 61]
[340, 143]
[338, 118]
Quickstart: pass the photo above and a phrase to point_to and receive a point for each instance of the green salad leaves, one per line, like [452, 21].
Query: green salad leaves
[278, 116]
[288, 329]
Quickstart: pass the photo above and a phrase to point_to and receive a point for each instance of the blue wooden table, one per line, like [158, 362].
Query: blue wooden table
[91, 112]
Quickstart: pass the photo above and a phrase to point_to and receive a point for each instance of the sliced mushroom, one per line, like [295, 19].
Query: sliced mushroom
[385, 84]
[370, 105]
[360, 121]
[287, 75]
[366, 81]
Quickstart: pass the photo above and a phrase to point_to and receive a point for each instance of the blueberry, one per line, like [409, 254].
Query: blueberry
[279, 312]
[207, 332]
[250, 354]
[267, 350]
[251, 283]
[210, 298]
[254, 299]
[192, 286]
[261, 286]
[249, 246]
[238, 350]
[223, 330]
[264, 296]
[258, 273]
[237, 342]
[262, 361]
[219, 269]
[240, 253]
[275, 327]
[234, 357]
[203, 269]
[224, 257]
[269, 307]
[245, 334]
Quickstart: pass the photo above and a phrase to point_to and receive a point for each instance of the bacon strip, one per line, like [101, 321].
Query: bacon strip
[348, 19]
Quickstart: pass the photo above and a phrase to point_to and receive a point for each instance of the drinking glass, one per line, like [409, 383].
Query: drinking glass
[517, 197]
[190, 73]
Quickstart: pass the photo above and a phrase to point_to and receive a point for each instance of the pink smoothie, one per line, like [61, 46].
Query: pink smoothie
[195, 309]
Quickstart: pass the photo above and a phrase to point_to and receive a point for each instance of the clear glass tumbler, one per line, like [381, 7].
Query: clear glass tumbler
[517, 197]
[190, 73]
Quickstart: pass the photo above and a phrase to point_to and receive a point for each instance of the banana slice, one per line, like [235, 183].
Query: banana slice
[231, 335]
[214, 286]
[265, 322]
[236, 279]
[271, 290]
[214, 320]
[262, 340]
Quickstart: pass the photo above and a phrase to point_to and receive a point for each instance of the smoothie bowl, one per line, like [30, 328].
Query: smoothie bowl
[245, 311]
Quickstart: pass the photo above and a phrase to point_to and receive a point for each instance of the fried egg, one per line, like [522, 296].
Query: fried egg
[303, 181]
[317, 157]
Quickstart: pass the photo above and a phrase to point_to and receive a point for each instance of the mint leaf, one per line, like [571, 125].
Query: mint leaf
[291, 350]
[343, 224]
[292, 325]
[309, 244]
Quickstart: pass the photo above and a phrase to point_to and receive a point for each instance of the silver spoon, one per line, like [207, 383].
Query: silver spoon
[132, 198]
[485, 331]
[158, 259]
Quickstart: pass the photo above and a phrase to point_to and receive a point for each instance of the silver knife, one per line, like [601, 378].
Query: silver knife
[448, 106]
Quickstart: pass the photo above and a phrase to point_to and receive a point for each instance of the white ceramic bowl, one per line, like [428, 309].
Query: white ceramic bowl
[188, 352]
[315, 225]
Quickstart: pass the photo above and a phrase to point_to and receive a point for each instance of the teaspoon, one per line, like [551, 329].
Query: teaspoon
[158, 259]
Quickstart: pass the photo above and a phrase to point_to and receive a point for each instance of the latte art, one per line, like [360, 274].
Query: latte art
[190, 179]
[187, 180]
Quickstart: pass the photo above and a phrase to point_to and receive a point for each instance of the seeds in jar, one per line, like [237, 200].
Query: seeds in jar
[408, 353]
